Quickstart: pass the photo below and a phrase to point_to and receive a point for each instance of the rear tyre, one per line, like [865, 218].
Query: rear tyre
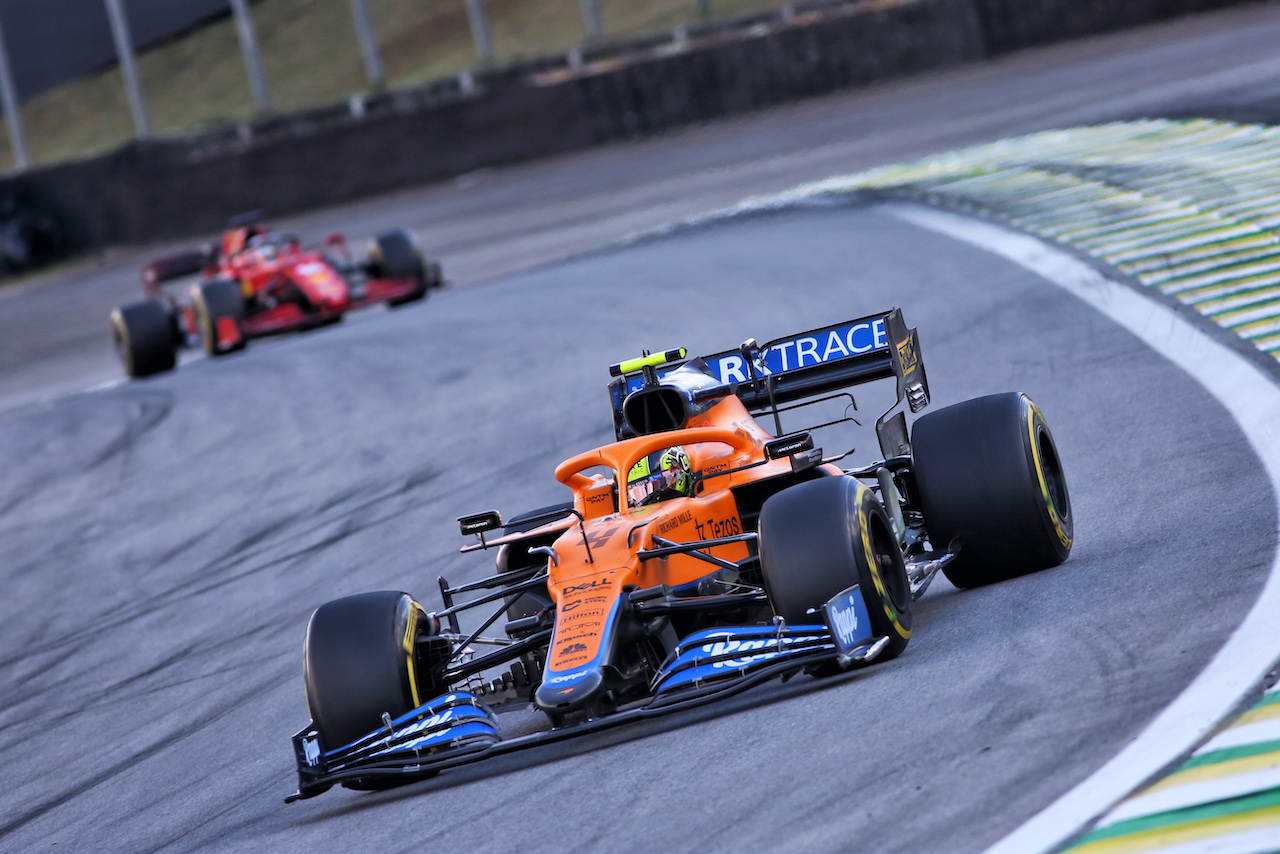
[515, 556]
[396, 255]
[990, 479]
[358, 663]
[535, 518]
[143, 335]
[823, 536]
[217, 304]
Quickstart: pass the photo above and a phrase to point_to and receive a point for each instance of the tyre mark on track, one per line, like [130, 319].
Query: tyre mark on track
[152, 411]
[250, 555]
[83, 444]
[157, 747]
[132, 686]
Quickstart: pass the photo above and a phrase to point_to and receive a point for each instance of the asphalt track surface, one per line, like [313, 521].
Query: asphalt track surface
[164, 542]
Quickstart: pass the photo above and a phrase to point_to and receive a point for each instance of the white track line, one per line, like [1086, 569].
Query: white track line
[1239, 736]
[1254, 402]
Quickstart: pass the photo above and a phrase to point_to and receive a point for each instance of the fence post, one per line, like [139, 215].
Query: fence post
[12, 116]
[591, 18]
[124, 50]
[368, 43]
[252, 62]
[480, 31]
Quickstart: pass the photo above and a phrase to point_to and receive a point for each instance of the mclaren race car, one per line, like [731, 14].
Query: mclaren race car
[701, 554]
[259, 282]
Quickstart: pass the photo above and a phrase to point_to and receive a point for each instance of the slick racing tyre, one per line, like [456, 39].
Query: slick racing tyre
[143, 335]
[825, 535]
[217, 306]
[359, 663]
[535, 518]
[990, 480]
[396, 255]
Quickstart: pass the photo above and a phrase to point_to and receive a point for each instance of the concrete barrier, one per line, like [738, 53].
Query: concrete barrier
[1016, 24]
[172, 188]
[797, 60]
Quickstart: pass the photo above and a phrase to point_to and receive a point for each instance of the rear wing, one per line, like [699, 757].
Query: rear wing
[803, 366]
[177, 266]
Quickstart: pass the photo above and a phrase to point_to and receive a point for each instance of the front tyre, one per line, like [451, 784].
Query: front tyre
[823, 536]
[144, 338]
[219, 308]
[358, 664]
[990, 479]
[396, 255]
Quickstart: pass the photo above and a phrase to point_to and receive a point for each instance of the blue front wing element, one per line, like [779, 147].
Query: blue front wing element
[449, 722]
[716, 654]
[459, 728]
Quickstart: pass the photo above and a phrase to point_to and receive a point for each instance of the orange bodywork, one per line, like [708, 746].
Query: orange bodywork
[598, 560]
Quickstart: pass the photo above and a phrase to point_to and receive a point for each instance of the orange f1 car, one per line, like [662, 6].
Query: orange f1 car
[700, 555]
[259, 282]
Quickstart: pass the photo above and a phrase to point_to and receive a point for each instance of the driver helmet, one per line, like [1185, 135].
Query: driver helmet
[263, 246]
[659, 476]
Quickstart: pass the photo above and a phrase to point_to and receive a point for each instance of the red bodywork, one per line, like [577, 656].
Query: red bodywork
[284, 286]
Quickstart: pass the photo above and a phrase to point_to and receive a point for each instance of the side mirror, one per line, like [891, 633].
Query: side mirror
[798, 447]
[788, 446]
[479, 523]
[335, 238]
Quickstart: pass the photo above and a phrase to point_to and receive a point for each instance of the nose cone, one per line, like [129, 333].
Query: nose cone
[565, 692]
[322, 285]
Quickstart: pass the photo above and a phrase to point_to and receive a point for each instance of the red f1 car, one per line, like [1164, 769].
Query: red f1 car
[260, 282]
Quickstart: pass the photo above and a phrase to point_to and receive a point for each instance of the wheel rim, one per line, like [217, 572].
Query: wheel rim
[889, 559]
[1053, 476]
[121, 346]
[208, 341]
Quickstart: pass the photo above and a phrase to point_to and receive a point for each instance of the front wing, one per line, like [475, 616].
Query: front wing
[290, 317]
[459, 728]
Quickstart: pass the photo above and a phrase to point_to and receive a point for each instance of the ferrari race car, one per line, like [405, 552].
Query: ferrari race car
[700, 555]
[259, 282]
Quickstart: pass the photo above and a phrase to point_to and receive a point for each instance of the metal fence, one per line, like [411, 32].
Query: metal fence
[290, 53]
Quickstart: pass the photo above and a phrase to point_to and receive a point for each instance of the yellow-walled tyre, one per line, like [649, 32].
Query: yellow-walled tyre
[991, 481]
[358, 664]
[823, 536]
[215, 302]
[396, 255]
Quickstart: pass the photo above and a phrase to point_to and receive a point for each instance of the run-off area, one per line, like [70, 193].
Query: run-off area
[166, 541]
